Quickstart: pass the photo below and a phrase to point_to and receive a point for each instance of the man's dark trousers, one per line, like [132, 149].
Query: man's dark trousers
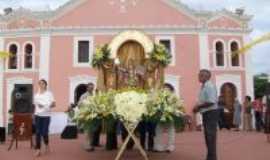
[210, 121]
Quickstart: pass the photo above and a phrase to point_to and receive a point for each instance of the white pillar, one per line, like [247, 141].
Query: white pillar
[204, 51]
[1, 84]
[249, 72]
[45, 49]
[249, 76]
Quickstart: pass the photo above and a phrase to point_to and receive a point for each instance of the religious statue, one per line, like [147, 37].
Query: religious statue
[130, 76]
[117, 76]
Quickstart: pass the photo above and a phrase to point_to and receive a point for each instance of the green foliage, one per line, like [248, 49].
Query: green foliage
[91, 126]
[161, 55]
[165, 108]
[102, 54]
[260, 84]
[179, 123]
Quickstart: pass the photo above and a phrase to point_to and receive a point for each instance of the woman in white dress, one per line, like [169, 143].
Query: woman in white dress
[169, 144]
[43, 101]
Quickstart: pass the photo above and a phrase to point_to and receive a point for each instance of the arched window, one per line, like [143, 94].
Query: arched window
[219, 51]
[235, 59]
[79, 91]
[13, 60]
[28, 56]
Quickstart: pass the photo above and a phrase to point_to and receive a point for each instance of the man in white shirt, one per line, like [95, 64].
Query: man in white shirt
[208, 107]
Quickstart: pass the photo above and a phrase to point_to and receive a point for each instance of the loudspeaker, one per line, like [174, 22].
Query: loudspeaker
[22, 98]
[2, 134]
[70, 132]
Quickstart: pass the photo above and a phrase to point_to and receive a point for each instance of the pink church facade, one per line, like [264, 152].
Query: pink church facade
[49, 45]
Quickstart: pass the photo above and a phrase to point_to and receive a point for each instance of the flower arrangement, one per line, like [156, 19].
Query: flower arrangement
[165, 107]
[160, 54]
[130, 106]
[102, 54]
[94, 107]
[86, 114]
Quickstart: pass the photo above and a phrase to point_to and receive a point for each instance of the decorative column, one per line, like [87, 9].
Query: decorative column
[45, 49]
[248, 69]
[1, 84]
[204, 50]
[249, 76]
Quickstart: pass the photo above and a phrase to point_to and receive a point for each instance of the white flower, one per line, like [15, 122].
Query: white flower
[164, 104]
[130, 106]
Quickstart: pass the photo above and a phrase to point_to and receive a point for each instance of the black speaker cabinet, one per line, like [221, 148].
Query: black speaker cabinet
[22, 98]
[2, 134]
[70, 132]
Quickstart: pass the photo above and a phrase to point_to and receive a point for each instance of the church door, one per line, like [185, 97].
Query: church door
[228, 91]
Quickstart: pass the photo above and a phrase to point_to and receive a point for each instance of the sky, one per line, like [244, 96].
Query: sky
[258, 8]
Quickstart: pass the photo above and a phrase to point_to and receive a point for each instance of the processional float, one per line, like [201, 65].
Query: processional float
[130, 60]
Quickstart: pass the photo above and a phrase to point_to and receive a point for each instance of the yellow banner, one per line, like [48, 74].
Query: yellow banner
[4, 54]
[253, 43]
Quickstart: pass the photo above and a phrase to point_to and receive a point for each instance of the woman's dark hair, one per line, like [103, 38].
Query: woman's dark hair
[44, 81]
[248, 98]
[90, 84]
[221, 100]
[168, 86]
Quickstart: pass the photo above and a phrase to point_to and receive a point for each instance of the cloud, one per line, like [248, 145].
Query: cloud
[32, 4]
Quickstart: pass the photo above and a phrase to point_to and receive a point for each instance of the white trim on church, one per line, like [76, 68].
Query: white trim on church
[75, 81]
[230, 78]
[2, 42]
[44, 61]
[76, 41]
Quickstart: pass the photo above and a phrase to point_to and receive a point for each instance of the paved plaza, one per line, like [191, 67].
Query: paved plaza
[189, 146]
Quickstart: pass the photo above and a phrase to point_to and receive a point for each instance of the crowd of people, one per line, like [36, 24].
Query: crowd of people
[210, 109]
[248, 116]
[151, 133]
[211, 114]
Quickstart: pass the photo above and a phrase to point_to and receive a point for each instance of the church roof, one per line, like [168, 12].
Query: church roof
[71, 4]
